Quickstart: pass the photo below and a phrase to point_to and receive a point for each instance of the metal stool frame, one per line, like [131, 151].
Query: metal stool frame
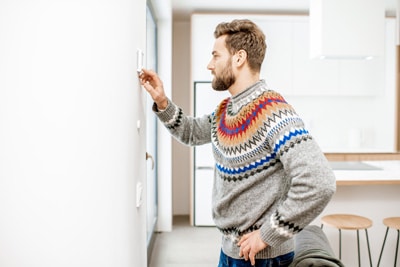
[358, 238]
[383, 245]
[358, 246]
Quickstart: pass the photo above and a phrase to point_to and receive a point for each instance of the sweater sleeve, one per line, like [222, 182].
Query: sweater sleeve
[310, 179]
[187, 130]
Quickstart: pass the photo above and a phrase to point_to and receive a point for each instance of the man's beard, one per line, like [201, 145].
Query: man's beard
[225, 79]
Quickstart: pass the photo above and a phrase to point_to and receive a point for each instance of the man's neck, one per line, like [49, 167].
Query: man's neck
[242, 83]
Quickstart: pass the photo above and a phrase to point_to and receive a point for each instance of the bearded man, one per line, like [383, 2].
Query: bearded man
[271, 178]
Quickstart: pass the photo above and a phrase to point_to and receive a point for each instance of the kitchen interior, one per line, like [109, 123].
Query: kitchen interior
[343, 79]
[77, 140]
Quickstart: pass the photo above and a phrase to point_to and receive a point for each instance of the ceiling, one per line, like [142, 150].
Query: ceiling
[182, 9]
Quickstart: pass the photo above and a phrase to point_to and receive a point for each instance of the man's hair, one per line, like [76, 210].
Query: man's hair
[244, 34]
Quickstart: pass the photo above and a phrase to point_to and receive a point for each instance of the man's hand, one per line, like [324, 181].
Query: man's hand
[250, 244]
[153, 84]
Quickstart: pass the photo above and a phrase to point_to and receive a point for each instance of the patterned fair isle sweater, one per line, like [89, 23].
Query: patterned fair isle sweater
[269, 174]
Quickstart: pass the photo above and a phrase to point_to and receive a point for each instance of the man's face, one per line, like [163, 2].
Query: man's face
[221, 66]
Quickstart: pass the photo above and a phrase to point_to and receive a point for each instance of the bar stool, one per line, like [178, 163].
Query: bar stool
[391, 222]
[349, 222]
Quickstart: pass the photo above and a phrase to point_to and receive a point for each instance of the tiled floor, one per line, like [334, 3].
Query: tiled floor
[186, 246]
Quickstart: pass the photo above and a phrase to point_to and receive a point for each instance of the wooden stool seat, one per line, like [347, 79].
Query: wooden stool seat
[349, 222]
[394, 223]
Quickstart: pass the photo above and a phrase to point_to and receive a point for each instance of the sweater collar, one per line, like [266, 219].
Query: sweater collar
[248, 95]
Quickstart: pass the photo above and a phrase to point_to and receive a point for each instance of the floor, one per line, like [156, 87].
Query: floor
[192, 246]
[186, 246]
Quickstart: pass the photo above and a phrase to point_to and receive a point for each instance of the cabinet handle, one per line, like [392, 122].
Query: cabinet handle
[149, 156]
[204, 168]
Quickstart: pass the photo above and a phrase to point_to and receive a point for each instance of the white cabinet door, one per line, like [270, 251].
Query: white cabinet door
[206, 100]
[331, 76]
[202, 196]
[361, 77]
[277, 68]
[311, 76]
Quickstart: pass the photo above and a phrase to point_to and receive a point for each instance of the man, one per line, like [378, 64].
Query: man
[271, 178]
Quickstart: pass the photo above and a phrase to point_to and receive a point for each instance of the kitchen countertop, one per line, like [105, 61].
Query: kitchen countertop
[367, 172]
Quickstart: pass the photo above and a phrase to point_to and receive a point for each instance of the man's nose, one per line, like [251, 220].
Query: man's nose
[210, 66]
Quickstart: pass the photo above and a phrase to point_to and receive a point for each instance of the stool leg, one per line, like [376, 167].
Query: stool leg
[369, 250]
[383, 245]
[397, 248]
[340, 244]
[358, 248]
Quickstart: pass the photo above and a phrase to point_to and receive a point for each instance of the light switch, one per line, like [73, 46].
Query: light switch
[139, 194]
[139, 60]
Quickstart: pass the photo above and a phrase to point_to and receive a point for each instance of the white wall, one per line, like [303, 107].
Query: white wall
[70, 151]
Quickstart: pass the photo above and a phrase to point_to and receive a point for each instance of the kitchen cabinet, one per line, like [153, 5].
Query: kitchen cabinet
[206, 100]
[277, 69]
[204, 177]
[332, 76]
[311, 77]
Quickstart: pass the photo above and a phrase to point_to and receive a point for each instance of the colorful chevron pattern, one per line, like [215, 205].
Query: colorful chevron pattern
[250, 140]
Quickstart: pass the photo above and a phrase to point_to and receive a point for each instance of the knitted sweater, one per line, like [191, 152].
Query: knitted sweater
[269, 172]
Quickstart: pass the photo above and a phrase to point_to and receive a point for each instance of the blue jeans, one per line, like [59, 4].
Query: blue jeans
[280, 261]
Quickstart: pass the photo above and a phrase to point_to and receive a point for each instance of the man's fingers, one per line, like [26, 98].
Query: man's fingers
[248, 254]
[149, 76]
[244, 247]
[242, 239]
[245, 250]
[250, 244]
[252, 257]
[146, 76]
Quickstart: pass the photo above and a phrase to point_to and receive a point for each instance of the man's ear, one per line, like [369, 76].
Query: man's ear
[240, 57]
